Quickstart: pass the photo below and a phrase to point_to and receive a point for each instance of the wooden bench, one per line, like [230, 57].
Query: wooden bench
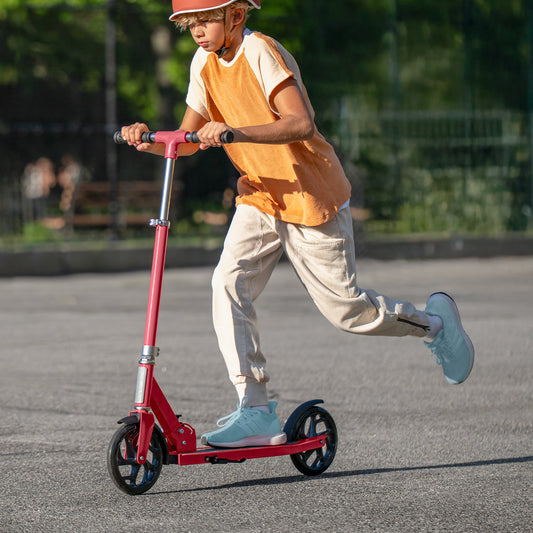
[138, 202]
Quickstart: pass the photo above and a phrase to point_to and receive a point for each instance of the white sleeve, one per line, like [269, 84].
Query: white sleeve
[272, 64]
[196, 94]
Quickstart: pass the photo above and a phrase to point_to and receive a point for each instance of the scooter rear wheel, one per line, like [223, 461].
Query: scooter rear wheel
[312, 422]
[128, 475]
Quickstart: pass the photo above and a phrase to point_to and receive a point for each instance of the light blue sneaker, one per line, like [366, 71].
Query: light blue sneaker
[247, 427]
[452, 346]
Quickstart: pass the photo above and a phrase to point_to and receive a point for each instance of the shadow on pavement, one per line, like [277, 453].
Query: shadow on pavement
[349, 473]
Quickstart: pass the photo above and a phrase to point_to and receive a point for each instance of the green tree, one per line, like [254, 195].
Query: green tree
[379, 54]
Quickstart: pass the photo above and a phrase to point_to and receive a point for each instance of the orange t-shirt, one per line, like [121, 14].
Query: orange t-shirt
[301, 182]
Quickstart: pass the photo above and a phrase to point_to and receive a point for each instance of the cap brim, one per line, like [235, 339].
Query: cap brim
[196, 6]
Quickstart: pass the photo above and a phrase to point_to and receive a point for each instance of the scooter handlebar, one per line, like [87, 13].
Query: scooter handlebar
[192, 137]
[226, 138]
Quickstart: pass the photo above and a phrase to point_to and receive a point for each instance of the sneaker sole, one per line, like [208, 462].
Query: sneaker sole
[259, 440]
[450, 301]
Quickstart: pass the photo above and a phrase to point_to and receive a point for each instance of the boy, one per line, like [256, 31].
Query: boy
[293, 197]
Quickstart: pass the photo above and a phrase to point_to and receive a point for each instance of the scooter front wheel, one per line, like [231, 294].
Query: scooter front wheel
[311, 422]
[128, 475]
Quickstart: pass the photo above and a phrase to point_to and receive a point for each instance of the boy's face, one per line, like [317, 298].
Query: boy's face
[209, 34]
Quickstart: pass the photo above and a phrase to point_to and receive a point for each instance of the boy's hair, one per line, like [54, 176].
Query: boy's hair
[186, 19]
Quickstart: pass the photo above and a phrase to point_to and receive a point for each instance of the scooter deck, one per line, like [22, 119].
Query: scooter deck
[239, 455]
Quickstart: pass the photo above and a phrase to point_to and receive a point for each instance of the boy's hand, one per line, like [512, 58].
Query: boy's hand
[209, 134]
[132, 135]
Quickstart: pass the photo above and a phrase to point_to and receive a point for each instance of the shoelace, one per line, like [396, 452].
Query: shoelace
[441, 350]
[228, 418]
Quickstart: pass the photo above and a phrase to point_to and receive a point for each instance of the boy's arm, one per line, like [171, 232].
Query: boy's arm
[294, 125]
[192, 121]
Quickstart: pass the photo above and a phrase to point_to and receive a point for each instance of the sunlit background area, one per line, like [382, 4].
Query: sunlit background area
[429, 105]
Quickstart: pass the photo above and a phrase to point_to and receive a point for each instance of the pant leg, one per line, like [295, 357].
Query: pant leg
[324, 259]
[251, 250]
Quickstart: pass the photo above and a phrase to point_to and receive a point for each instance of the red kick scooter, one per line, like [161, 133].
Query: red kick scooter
[140, 448]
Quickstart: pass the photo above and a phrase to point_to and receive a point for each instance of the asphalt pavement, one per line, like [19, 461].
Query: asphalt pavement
[414, 454]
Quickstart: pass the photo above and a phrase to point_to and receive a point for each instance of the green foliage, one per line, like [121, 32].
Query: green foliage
[37, 233]
[342, 48]
[443, 172]
[380, 55]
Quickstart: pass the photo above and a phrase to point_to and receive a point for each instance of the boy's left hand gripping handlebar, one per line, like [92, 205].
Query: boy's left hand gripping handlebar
[192, 137]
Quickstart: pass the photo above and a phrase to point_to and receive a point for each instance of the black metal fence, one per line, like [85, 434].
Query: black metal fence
[430, 171]
[467, 172]
[412, 172]
[54, 186]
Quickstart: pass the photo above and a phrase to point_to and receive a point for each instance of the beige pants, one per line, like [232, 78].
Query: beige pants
[324, 259]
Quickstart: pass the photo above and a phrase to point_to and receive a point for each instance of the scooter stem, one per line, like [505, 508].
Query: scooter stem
[145, 374]
[167, 189]
[158, 262]
[150, 350]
